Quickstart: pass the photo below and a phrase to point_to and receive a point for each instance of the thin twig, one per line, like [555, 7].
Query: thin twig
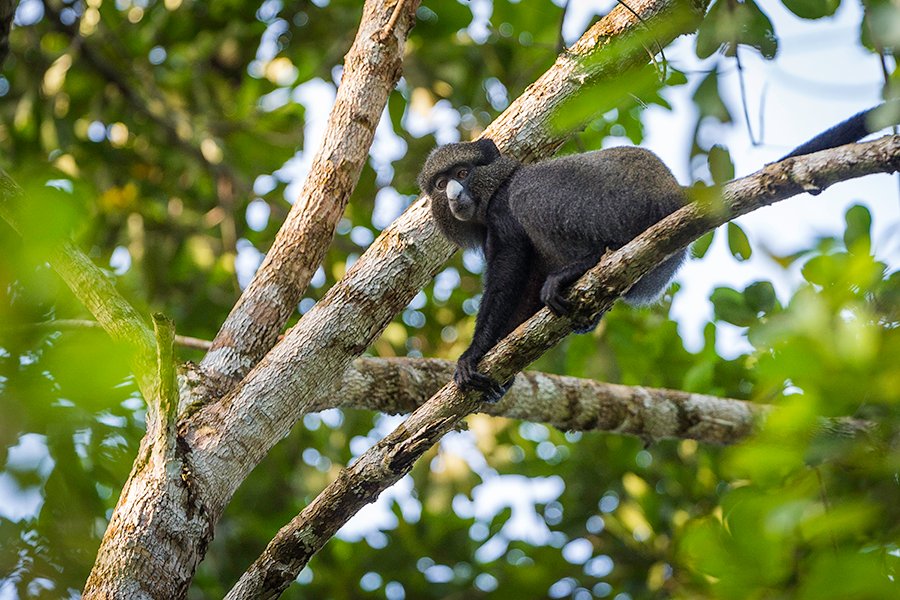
[740, 70]
[560, 40]
[665, 62]
[73, 324]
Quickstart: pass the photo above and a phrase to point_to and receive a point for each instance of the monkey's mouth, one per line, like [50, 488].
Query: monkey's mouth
[463, 208]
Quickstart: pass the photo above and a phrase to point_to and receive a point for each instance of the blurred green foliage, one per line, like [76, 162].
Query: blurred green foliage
[156, 139]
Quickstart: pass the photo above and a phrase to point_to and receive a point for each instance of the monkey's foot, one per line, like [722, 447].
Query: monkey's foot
[468, 378]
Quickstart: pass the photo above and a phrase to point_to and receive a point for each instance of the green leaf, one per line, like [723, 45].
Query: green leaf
[720, 165]
[738, 242]
[728, 24]
[859, 224]
[760, 296]
[812, 9]
[708, 100]
[729, 306]
[701, 246]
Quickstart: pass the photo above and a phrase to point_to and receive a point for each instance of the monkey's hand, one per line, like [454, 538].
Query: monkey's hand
[468, 378]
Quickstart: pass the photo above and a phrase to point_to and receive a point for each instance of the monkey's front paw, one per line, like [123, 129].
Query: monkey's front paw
[468, 378]
[553, 297]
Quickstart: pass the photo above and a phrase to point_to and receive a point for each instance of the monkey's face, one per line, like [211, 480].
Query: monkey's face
[450, 178]
[453, 184]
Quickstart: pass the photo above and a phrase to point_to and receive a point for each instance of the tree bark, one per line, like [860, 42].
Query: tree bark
[401, 385]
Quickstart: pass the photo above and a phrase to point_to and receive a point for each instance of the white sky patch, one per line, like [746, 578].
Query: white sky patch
[29, 454]
[386, 148]
[257, 215]
[441, 119]
[317, 97]
[520, 494]
[389, 204]
[246, 262]
[378, 516]
[120, 260]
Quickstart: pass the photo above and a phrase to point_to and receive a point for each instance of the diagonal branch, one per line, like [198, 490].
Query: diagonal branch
[371, 68]
[389, 460]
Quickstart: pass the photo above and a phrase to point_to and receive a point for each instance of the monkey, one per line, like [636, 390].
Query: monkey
[541, 226]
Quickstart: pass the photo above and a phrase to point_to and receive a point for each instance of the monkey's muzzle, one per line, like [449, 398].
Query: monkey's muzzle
[461, 203]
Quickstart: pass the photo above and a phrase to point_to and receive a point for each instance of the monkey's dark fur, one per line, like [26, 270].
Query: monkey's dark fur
[542, 226]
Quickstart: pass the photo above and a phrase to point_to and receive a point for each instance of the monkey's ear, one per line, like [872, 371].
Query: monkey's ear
[488, 149]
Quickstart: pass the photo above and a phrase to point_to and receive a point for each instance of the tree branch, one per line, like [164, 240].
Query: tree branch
[385, 463]
[371, 68]
[401, 385]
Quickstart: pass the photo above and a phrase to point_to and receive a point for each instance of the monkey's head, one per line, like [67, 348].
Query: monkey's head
[460, 180]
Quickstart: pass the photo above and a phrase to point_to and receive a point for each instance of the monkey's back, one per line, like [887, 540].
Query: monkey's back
[593, 201]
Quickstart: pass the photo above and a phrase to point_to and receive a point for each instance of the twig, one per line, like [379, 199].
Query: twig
[70, 324]
[742, 84]
[560, 40]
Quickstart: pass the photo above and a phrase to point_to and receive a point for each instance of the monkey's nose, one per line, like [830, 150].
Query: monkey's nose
[454, 189]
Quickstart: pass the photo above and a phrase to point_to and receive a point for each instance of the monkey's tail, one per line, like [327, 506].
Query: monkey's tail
[650, 287]
[850, 130]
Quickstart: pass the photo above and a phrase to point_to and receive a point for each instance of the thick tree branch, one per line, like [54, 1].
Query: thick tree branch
[401, 385]
[371, 68]
[389, 460]
[91, 286]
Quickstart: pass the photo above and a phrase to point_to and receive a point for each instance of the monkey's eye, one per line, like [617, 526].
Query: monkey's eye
[440, 184]
[462, 173]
